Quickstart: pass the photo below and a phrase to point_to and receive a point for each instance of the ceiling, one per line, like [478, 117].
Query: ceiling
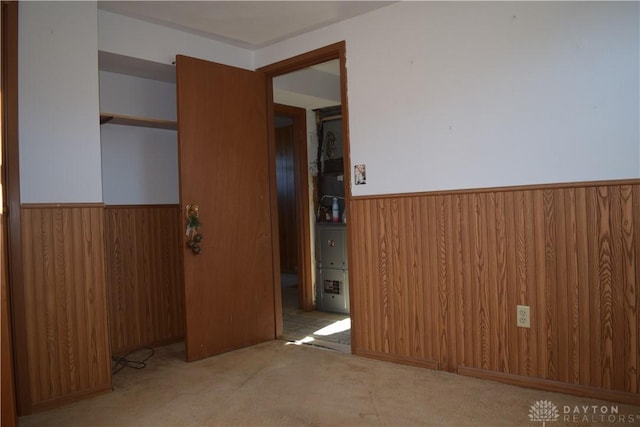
[247, 24]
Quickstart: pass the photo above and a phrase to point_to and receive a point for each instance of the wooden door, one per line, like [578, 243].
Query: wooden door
[224, 169]
[299, 218]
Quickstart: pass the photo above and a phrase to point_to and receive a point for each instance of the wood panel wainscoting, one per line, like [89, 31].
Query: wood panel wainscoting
[65, 303]
[436, 278]
[143, 245]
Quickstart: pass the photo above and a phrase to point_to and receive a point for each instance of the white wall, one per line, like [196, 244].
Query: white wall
[135, 96]
[456, 95]
[139, 39]
[139, 165]
[58, 102]
[441, 95]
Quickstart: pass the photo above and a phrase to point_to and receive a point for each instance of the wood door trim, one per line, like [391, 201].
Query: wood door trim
[8, 63]
[273, 195]
[317, 56]
[301, 188]
[303, 60]
[12, 176]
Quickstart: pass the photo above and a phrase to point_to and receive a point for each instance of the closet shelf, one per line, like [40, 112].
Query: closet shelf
[118, 119]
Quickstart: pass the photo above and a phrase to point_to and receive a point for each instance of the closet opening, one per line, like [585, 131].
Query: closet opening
[142, 235]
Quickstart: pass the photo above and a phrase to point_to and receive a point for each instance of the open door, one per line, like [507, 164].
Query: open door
[298, 218]
[224, 169]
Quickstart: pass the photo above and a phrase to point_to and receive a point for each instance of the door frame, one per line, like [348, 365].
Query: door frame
[299, 62]
[301, 188]
[11, 188]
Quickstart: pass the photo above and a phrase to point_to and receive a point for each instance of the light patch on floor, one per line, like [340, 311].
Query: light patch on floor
[334, 328]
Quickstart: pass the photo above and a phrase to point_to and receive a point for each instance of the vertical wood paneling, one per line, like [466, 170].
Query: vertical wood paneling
[448, 288]
[417, 295]
[562, 314]
[501, 293]
[65, 296]
[439, 276]
[482, 248]
[539, 317]
[402, 274]
[385, 254]
[593, 287]
[433, 277]
[605, 271]
[491, 292]
[521, 266]
[396, 294]
[467, 303]
[510, 330]
[550, 285]
[529, 271]
[443, 277]
[633, 291]
[478, 278]
[618, 280]
[373, 280]
[361, 217]
[584, 283]
[143, 245]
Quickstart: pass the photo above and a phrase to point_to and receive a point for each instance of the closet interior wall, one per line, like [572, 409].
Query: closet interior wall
[142, 216]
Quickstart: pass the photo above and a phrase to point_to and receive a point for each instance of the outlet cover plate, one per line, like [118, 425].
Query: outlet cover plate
[523, 316]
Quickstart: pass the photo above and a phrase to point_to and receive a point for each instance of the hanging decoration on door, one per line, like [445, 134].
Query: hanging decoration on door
[193, 227]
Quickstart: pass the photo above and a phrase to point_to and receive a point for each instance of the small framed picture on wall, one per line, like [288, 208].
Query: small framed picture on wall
[360, 174]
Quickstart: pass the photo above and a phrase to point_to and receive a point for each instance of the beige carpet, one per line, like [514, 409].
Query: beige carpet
[278, 384]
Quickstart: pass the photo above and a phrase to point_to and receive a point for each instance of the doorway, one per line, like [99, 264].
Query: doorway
[310, 94]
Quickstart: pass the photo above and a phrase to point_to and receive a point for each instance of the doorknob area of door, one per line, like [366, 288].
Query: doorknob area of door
[193, 226]
[193, 244]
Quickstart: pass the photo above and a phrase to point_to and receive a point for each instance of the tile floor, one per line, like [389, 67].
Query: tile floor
[330, 330]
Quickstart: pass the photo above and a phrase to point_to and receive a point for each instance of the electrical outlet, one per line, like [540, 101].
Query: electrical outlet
[523, 319]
